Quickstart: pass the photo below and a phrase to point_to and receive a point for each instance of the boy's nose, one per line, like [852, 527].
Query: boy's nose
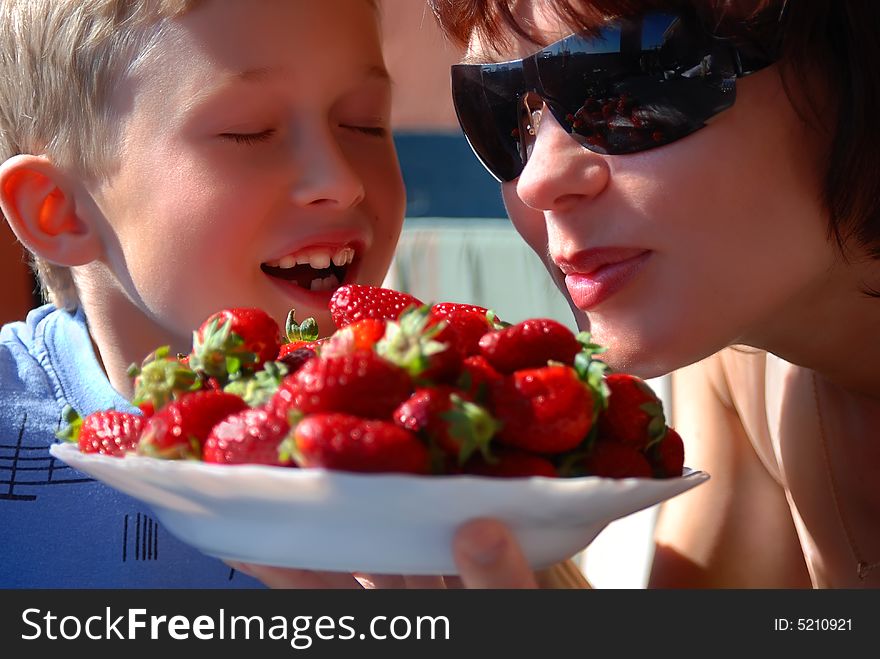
[559, 172]
[324, 175]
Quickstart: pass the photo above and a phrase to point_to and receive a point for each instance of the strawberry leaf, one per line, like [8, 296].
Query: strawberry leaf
[592, 372]
[288, 451]
[160, 378]
[588, 347]
[258, 388]
[571, 463]
[307, 330]
[73, 422]
[656, 430]
[495, 322]
[472, 426]
[409, 343]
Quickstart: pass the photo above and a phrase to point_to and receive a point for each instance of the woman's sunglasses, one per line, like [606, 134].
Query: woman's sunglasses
[638, 85]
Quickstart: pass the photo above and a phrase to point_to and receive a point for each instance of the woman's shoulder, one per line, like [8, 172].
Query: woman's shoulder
[745, 381]
[737, 375]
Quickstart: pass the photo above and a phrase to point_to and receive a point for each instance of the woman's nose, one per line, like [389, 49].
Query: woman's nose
[324, 175]
[559, 172]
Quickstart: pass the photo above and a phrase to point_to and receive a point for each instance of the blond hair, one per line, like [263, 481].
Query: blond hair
[60, 61]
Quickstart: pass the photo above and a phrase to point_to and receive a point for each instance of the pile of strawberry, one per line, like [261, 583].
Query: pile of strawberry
[400, 386]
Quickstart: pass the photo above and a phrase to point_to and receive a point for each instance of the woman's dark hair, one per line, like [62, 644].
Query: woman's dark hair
[838, 39]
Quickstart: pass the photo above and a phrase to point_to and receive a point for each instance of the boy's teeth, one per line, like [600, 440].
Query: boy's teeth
[319, 260]
[343, 256]
[324, 284]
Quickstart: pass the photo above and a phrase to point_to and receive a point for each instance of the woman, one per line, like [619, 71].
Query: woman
[701, 181]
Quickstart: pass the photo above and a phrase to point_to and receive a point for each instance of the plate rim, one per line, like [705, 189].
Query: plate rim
[63, 450]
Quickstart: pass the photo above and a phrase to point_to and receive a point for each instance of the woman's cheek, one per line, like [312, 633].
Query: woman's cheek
[528, 222]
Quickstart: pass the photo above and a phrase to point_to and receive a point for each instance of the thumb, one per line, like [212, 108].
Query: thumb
[488, 556]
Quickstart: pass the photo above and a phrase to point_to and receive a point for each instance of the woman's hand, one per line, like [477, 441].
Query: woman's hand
[485, 552]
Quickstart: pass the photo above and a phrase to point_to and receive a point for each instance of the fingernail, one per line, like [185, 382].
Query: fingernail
[484, 547]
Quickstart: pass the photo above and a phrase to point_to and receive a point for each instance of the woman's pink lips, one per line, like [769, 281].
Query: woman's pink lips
[588, 290]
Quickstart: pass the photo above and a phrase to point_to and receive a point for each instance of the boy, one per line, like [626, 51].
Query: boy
[163, 159]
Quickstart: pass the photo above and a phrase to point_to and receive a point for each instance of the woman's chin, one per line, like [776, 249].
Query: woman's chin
[636, 353]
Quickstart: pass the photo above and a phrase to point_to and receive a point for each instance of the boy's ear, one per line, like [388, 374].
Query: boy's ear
[39, 204]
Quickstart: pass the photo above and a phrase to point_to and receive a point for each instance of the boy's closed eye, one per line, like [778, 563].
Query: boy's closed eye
[266, 135]
[250, 138]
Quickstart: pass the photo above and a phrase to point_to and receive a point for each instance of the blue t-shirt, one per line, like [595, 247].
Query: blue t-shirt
[58, 527]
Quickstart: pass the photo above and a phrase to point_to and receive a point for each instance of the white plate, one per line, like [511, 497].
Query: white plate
[395, 524]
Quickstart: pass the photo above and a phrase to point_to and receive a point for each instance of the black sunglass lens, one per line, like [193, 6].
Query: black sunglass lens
[488, 115]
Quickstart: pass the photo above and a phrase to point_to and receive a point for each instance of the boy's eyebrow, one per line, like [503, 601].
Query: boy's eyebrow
[259, 74]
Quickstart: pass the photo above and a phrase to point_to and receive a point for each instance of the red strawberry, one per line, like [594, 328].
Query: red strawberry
[529, 344]
[294, 359]
[634, 415]
[667, 456]
[349, 443]
[511, 463]
[467, 323]
[147, 408]
[477, 377]
[614, 460]
[443, 366]
[544, 410]
[443, 415]
[235, 339]
[353, 302]
[290, 348]
[362, 383]
[252, 436]
[108, 433]
[443, 309]
[366, 332]
[463, 329]
[179, 429]
[362, 334]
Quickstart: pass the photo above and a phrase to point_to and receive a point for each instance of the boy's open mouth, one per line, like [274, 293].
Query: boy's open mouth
[314, 268]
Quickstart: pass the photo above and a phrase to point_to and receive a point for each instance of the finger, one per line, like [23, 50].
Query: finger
[453, 582]
[280, 577]
[488, 556]
[425, 582]
[380, 581]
